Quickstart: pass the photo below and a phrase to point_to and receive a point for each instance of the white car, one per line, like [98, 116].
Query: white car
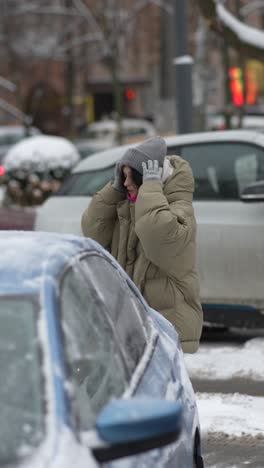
[230, 231]
[102, 135]
[249, 122]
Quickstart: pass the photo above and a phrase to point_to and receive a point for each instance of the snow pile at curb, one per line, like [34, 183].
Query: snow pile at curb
[227, 362]
[233, 415]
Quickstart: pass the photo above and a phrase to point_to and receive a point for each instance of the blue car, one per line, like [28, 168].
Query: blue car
[90, 375]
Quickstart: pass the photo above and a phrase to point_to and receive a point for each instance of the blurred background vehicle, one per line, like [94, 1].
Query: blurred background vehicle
[230, 232]
[82, 363]
[35, 167]
[9, 135]
[103, 134]
[217, 121]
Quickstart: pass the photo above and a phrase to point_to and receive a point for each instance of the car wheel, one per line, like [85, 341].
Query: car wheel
[197, 457]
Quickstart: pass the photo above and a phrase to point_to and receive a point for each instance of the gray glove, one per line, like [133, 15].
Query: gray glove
[118, 183]
[152, 171]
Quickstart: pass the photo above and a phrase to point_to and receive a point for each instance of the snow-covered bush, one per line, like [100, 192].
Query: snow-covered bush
[36, 167]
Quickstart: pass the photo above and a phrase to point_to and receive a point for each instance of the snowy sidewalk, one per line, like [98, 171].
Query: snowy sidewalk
[222, 362]
[231, 415]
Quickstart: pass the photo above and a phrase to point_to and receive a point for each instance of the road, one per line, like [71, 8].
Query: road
[233, 454]
[221, 450]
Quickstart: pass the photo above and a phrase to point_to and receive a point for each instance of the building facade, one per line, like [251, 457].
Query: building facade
[66, 91]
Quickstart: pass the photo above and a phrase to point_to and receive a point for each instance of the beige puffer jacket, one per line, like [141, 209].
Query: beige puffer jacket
[153, 239]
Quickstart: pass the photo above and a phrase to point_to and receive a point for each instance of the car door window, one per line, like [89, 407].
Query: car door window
[131, 327]
[96, 367]
[174, 150]
[22, 390]
[223, 169]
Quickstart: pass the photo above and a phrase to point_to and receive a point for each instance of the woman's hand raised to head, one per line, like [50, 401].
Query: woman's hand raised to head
[152, 171]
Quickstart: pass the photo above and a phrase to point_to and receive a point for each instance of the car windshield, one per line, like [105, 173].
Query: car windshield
[86, 183]
[21, 389]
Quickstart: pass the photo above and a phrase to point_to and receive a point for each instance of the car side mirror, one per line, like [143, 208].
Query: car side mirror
[253, 192]
[131, 426]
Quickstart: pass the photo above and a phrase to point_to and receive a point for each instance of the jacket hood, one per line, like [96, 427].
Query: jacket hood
[180, 184]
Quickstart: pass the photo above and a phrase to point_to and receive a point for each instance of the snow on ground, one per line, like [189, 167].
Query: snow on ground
[220, 362]
[232, 414]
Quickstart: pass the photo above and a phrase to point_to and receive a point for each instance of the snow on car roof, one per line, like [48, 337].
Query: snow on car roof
[28, 257]
[101, 159]
[250, 136]
[109, 157]
[42, 151]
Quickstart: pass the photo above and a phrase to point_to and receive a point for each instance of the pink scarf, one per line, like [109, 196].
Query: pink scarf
[131, 197]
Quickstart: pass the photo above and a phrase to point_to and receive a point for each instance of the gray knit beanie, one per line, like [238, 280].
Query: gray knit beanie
[154, 148]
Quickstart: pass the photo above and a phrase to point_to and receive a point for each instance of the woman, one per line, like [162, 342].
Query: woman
[146, 219]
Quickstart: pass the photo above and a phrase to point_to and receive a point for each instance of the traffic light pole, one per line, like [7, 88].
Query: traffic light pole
[183, 66]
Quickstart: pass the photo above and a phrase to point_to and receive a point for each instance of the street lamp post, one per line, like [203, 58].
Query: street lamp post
[183, 66]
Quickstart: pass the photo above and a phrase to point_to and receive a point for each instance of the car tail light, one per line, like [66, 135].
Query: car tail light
[2, 170]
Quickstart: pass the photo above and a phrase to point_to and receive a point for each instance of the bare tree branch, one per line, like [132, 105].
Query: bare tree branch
[227, 25]
[12, 110]
[87, 38]
[244, 33]
[251, 7]
[7, 84]
[59, 11]
[139, 5]
[86, 13]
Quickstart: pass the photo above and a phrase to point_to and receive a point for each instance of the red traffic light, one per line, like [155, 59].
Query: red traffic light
[130, 94]
[236, 86]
